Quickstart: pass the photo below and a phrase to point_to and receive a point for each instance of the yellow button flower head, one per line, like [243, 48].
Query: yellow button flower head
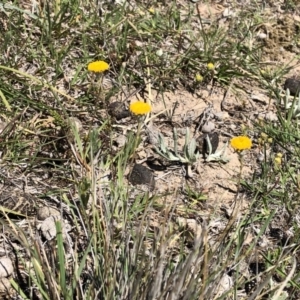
[151, 10]
[240, 143]
[210, 66]
[98, 66]
[198, 77]
[140, 108]
[277, 161]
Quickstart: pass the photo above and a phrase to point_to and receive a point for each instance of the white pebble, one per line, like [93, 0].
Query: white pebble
[76, 123]
[208, 127]
[220, 116]
[271, 116]
[261, 36]
[48, 227]
[45, 212]
[6, 267]
[5, 286]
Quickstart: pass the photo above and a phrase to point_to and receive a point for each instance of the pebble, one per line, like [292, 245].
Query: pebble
[141, 175]
[220, 116]
[228, 12]
[48, 227]
[121, 140]
[256, 96]
[208, 127]
[262, 36]
[76, 123]
[152, 135]
[2, 125]
[6, 267]
[271, 116]
[3, 251]
[293, 85]
[5, 287]
[118, 110]
[232, 127]
[46, 211]
[224, 285]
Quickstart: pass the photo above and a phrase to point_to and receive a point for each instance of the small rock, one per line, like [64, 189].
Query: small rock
[76, 123]
[227, 12]
[121, 140]
[139, 44]
[259, 97]
[232, 127]
[262, 36]
[3, 251]
[260, 157]
[293, 85]
[141, 175]
[152, 135]
[118, 110]
[6, 267]
[45, 212]
[271, 116]
[159, 52]
[208, 127]
[5, 287]
[224, 285]
[221, 116]
[2, 125]
[48, 228]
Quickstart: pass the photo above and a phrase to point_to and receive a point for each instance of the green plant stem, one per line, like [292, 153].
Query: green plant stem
[241, 160]
[136, 140]
[237, 204]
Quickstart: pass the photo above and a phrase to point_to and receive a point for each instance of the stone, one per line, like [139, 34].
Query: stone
[46, 211]
[118, 110]
[6, 267]
[152, 135]
[208, 127]
[271, 116]
[221, 116]
[293, 85]
[48, 228]
[76, 123]
[141, 175]
[5, 288]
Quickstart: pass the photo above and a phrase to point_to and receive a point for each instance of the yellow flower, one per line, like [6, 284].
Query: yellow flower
[198, 77]
[140, 108]
[240, 143]
[264, 136]
[151, 10]
[210, 66]
[98, 66]
[277, 161]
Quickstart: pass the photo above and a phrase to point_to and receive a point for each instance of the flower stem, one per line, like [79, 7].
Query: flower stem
[136, 140]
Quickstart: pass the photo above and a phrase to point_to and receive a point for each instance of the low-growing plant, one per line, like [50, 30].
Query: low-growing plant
[189, 155]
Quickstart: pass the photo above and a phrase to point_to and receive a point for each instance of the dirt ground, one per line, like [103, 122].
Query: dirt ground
[239, 109]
